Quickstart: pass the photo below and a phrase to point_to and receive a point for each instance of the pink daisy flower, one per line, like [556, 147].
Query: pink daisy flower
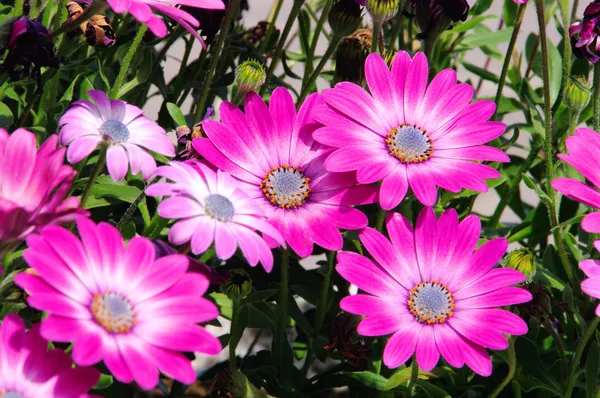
[118, 304]
[406, 133]
[582, 151]
[33, 186]
[28, 369]
[591, 285]
[270, 150]
[434, 291]
[211, 208]
[123, 127]
[142, 11]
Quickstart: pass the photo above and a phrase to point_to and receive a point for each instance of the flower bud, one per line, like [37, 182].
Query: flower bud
[578, 93]
[351, 55]
[382, 10]
[436, 16]
[345, 17]
[239, 284]
[250, 76]
[522, 260]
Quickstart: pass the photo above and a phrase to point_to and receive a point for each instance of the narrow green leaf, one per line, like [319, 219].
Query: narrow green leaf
[369, 379]
[176, 114]
[6, 116]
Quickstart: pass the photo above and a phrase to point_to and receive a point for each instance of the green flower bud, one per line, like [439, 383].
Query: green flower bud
[351, 55]
[250, 76]
[522, 260]
[239, 284]
[382, 10]
[345, 17]
[578, 93]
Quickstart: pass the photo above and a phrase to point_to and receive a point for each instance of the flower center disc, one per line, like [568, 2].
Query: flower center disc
[114, 312]
[431, 302]
[409, 144]
[286, 186]
[114, 130]
[219, 207]
[11, 394]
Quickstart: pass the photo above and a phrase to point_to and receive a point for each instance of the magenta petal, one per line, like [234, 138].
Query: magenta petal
[427, 351]
[401, 345]
[117, 162]
[591, 223]
[448, 343]
[365, 274]
[393, 188]
[477, 332]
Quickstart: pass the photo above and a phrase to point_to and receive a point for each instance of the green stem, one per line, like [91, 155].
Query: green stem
[313, 77]
[18, 10]
[114, 93]
[380, 219]
[560, 345]
[234, 319]
[283, 300]
[578, 353]
[507, 58]
[281, 44]
[95, 173]
[552, 208]
[398, 27]
[231, 11]
[375, 40]
[133, 206]
[315, 40]
[414, 376]
[273, 14]
[566, 54]
[512, 366]
[596, 97]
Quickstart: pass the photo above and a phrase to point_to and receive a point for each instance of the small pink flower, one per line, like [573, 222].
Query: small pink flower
[125, 129]
[33, 186]
[118, 304]
[408, 132]
[434, 291]
[270, 150]
[582, 154]
[591, 285]
[29, 369]
[142, 11]
[211, 208]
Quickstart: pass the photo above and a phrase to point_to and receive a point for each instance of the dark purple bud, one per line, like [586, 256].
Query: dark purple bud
[436, 16]
[584, 34]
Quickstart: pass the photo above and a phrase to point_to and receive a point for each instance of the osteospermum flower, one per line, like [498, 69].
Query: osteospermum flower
[582, 151]
[591, 285]
[33, 186]
[211, 208]
[123, 127]
[142, 11]
[29, 369]
[118, 304]
[272, 152]
[584, 34]
[434, 291]
[407, 133]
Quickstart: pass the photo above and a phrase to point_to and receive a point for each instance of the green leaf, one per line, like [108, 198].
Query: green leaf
[224, 304]
[555, 71]
[6, 116]
[549, 279]
[261, 295]
[431, 390]
[591, 370]
[480, 7]
[483, 73]
[369, 379]
[238, 328]
[176, 114]
[125, 193]
[478, 39]
[471, 23]
[403, 375]
[67, 96]
[104, 382]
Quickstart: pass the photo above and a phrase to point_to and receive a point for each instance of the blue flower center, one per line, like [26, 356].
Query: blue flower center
[409, 144]
[114, 130]
[286, 186]
[219, 207]
[431, 302]
[114, 312]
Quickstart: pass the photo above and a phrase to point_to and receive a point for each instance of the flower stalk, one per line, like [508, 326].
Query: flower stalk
[114, 93]
[95, 173]
[512, 367]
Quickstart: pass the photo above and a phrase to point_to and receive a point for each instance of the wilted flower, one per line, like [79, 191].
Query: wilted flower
[119, 303]
[29, 369]
[210, 20]
[435, 16]
[345, 17]
[351, 55]
[257, 34]
[584, 34]
[250, 76]
[27, 47]
[382, 10]
[185, 136]
[344, 337]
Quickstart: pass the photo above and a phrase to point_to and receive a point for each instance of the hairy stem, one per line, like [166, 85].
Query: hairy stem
[95, 173]
[507, 57]
[231, 11]
[283, 300]
[114, 93]
[512, 365]
[414, 376]
[273, 14]
[566, 54]
[578, 353]
[315, 41]
[234, 319]
[313, 77]
[376, 32]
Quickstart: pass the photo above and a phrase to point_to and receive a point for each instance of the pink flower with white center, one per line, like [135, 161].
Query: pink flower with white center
[211, 208]
[591, 285]
[33, 186]
[28, 369]
[118, 304]
[142, 11]
[270, 150]
[408, 133]
[582, 154]
[434, 291]
[127, 132]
